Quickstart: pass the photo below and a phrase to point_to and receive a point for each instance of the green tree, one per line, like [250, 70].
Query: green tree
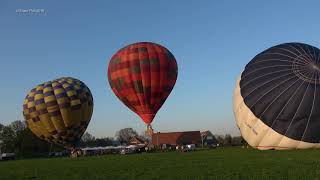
[237, 141]
[29, 145]
[227, 140]
[1, 127]
[7, 136]
[103, 141]
[220, 139]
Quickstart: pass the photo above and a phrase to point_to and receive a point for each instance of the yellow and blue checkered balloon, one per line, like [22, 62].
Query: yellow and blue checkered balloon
[59, 111]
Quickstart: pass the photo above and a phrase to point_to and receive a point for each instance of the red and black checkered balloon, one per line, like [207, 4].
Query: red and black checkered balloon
[142, 76]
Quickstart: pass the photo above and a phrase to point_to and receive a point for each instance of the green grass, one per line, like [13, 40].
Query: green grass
[224, 163]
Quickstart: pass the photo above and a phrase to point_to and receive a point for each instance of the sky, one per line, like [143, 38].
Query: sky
[212, 42]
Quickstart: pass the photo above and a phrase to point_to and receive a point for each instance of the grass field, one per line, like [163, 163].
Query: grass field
[223, 163]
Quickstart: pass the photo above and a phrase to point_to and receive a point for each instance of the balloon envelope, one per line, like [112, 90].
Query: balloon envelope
[277, 98]
[142, 76]
[59, 111]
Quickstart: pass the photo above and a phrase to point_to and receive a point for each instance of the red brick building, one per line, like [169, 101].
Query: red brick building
[176, 138]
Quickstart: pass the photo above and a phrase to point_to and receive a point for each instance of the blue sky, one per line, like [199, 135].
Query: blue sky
[211, 40]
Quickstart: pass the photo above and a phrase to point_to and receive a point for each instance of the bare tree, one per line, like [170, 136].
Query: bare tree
[18, 126]
[145, 137]
[87, 137]
[124, 135]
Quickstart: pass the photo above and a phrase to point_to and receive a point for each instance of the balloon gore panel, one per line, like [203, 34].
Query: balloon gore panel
[281, 88]
[142, 75]
[59, 111]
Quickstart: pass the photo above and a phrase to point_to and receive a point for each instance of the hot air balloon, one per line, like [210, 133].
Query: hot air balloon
[59, 111]
[142, 76]
[277, 98]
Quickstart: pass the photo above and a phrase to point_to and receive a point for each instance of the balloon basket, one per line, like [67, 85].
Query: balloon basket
[149, 131]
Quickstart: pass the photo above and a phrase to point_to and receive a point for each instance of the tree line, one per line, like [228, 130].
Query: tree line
[228, 140]
[17, 138]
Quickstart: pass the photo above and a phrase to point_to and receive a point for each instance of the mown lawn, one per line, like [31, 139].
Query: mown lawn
[223, 163]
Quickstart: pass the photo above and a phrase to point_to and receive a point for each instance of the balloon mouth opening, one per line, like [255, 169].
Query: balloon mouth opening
[147, 118]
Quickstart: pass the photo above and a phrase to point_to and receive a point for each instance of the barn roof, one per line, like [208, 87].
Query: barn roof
[204, 134]
[136, 140]
[176, 138]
